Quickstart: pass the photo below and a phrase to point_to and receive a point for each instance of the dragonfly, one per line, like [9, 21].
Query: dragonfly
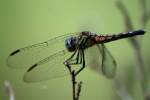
[49, 59]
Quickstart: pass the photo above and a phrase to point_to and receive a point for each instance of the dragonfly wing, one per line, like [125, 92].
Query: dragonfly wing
[100, 60]
[48, 68]
[27, 56]
[108, 62]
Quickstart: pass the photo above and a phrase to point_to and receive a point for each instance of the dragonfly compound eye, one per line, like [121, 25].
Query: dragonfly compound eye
[70, 44]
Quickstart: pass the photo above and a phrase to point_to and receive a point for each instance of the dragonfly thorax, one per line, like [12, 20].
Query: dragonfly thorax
[70, 44]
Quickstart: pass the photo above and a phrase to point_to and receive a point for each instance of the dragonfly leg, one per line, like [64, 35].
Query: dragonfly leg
[83, 42]
[72, 55]
[75, 61]
[80, 56]
[82, 61]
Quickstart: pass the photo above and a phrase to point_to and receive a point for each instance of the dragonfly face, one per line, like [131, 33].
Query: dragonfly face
[82, 41]
[70, 44]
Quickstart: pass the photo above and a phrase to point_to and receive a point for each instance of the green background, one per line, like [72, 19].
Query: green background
[26, 22]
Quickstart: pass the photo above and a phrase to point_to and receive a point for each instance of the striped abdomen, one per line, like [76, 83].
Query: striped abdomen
[109, 38]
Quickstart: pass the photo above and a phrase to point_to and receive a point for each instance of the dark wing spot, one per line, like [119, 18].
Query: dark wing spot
[32, 67]
[13, 53]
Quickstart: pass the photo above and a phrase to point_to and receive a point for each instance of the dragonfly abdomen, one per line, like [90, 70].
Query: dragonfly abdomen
[128, 34]
[109, 38]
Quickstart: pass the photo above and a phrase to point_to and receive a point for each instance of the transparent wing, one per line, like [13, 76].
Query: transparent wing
[48, 68]
[99, 59]
[28, 56]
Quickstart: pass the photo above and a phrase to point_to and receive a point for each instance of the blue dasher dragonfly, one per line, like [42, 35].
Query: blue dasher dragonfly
[49, 59]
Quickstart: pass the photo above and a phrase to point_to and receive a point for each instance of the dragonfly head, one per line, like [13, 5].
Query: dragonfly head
[70, 44]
